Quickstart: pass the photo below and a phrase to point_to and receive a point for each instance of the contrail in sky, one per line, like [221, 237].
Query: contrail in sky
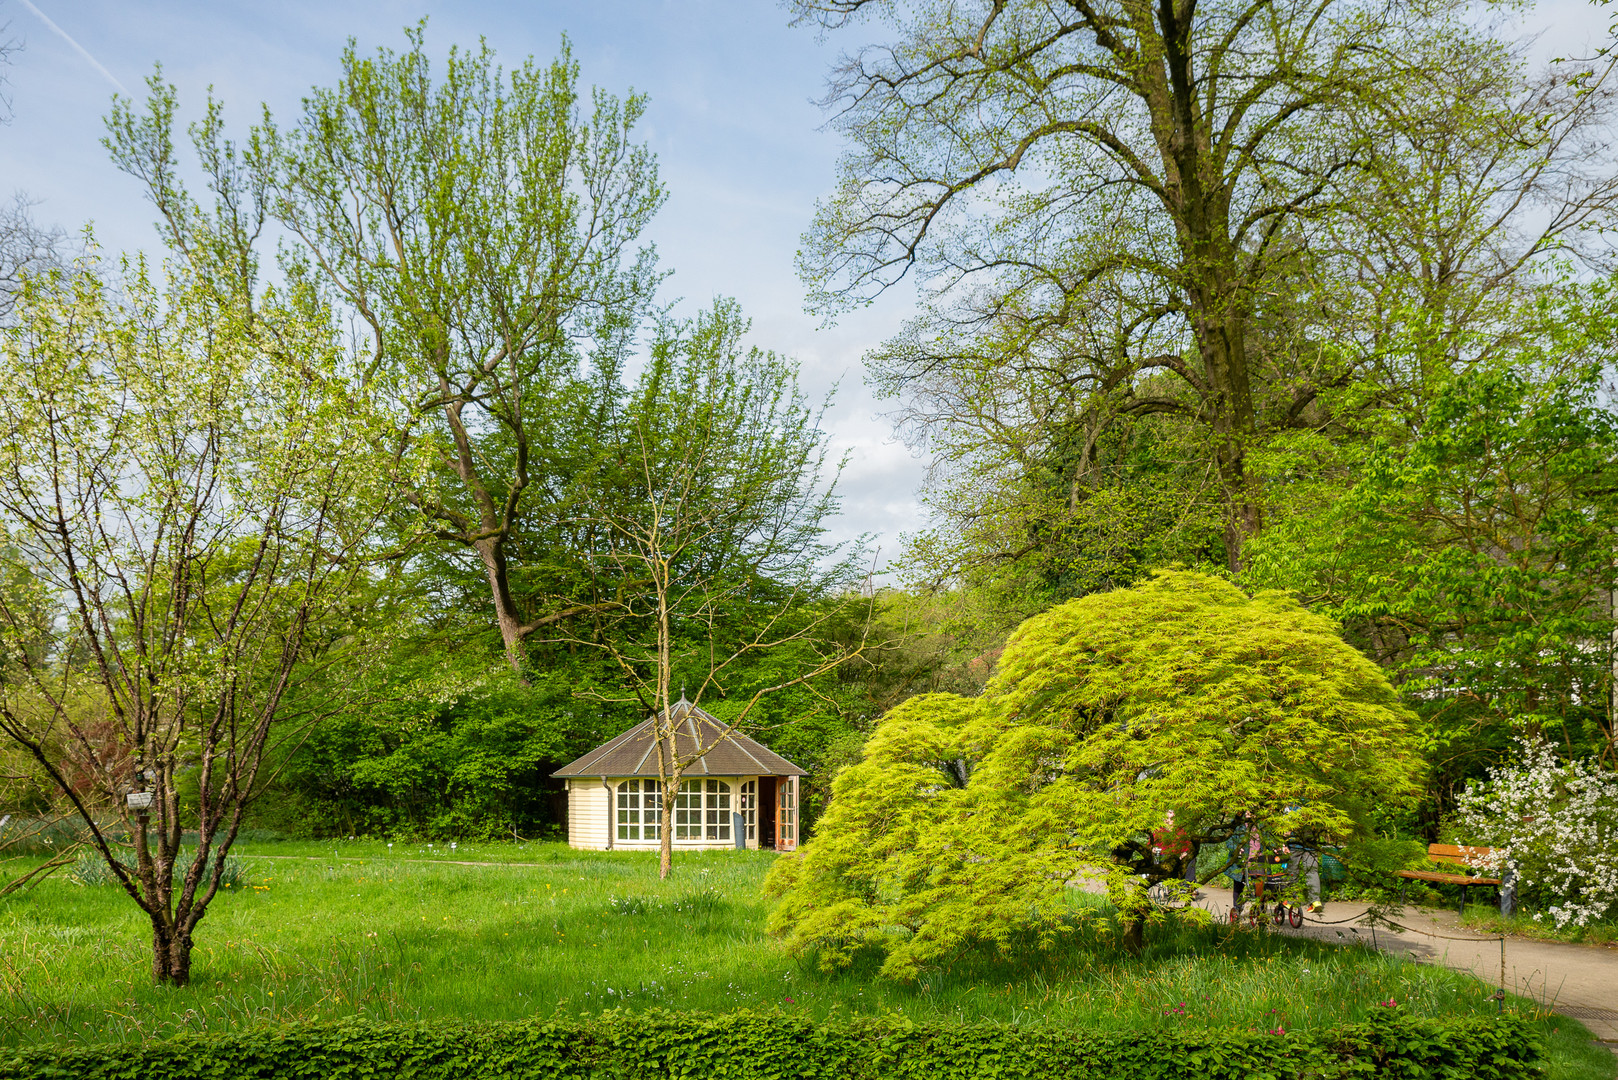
[80, 49]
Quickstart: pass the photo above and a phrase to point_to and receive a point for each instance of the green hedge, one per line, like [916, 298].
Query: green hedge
[629, 1046]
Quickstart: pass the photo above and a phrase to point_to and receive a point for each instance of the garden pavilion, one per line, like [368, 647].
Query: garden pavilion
[740, 794]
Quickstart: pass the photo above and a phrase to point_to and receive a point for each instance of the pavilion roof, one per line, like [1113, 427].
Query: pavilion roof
[634, 753]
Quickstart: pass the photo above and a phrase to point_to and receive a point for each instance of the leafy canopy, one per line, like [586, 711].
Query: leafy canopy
[969, 818]
[1475, 559]
[481, 228]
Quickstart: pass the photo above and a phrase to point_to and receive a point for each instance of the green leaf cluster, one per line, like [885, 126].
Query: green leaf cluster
[1475, 560]
[1182, 701]
[747, 1045]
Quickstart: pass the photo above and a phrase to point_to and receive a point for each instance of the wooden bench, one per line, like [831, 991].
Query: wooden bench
[1459, 856]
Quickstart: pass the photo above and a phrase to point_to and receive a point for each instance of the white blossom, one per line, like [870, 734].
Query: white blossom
[1556, 824]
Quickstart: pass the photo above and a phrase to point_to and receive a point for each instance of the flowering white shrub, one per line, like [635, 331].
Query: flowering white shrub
[1556, 824]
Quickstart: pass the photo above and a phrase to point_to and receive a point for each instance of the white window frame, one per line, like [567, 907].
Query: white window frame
[639, 810]
[749, 805]
[702, 811]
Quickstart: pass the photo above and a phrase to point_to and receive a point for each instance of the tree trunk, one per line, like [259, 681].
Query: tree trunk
[670, 773]
[1243, 518]
[1134, 935]
[1218, 309]
[1129, 898]
[179, 959]
[492, 551]
[171, 953]
[665, 847]
[1224, 355]
[669, 776]
[160, 951]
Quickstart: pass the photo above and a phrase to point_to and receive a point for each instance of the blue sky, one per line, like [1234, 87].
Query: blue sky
[732, 120]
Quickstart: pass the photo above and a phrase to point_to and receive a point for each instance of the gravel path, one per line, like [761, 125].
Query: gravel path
[1580, 981]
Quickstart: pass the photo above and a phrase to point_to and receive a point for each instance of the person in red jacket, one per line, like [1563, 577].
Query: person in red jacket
[1173, 842]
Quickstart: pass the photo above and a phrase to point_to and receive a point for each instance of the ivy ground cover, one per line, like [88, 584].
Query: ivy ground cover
[327, 931]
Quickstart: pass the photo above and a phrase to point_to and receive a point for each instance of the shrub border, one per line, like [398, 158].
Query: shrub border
[772, 1046]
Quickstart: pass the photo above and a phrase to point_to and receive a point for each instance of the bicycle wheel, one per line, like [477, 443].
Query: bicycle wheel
[1280, 914]
[1295, 917]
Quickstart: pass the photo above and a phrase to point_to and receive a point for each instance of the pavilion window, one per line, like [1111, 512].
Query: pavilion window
[702, 810]
[718, 810]
[639, 810]
[749, 806]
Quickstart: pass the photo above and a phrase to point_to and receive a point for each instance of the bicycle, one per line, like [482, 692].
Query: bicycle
[1278, 880]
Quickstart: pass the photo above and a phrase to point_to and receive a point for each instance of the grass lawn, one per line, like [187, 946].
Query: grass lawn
[326, 930]
[1487, 918]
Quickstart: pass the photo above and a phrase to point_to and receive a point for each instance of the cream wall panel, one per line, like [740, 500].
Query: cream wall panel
[588, 809]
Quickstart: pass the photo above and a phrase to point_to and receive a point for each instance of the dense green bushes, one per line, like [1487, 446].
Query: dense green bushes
[744, 1044]
[478, 767]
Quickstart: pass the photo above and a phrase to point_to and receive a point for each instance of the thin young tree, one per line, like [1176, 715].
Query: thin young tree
[709, 510]
[179, 498]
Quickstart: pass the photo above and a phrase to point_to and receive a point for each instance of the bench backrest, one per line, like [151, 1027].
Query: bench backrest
[1460, 856]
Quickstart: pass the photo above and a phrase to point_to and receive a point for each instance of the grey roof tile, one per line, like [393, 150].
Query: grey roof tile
[634, 753]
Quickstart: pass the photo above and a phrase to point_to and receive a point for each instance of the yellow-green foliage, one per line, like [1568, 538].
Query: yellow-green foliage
[1182, 694]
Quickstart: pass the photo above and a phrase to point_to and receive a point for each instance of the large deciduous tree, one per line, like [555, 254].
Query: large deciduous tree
[1120, 209]
[1476, 560]
[969, 819]
[486, 235]
[179, 501]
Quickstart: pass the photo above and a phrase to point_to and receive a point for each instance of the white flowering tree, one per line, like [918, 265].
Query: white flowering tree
[1555, 824]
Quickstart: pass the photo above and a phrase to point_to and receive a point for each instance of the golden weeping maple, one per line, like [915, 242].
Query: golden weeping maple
[969, 819]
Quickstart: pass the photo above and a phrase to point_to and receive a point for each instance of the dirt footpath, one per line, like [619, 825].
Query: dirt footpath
[1580, 981]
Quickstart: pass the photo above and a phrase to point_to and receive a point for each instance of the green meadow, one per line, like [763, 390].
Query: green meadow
[325, 930]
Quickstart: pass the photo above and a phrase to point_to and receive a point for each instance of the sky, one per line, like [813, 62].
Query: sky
[732, 119]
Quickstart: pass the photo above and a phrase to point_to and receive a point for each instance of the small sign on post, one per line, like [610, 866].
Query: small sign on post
[140, 800]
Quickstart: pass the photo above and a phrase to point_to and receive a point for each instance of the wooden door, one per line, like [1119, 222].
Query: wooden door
[786, 813]
[766, 811]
